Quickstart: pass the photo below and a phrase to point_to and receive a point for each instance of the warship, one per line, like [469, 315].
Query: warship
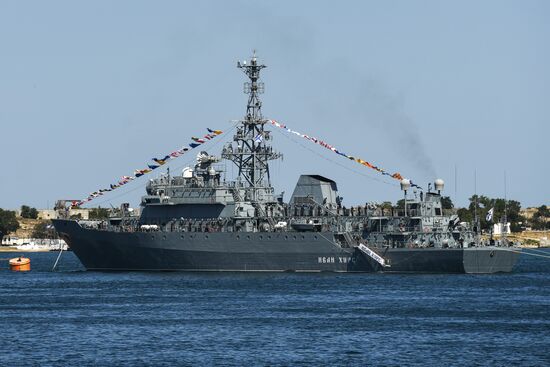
[198, 220]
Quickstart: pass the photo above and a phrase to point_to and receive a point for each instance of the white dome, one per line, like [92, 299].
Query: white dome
[405, 184]
[439, 184]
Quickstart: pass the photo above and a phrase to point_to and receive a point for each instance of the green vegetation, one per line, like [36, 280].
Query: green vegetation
[28, 212]
[465, 215]
[530, 242]
[540, 218]
[8, 222]
[99, 213]
[446, 202]
[43, 230]
[400, 204]
[484, 204]
[386, 205]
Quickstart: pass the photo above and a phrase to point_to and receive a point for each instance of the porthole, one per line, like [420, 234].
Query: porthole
[269, 237]
[314, 237]
[294, 237]
[286, 237]
[152, 237]
[238, 237]
[206, 236]
[248, 237]
[164, 237]
[182, 237]
[261, 237]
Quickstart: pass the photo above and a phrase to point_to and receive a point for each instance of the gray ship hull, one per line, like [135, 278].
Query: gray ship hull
[263, 251]
[200, 251]
[474, 260]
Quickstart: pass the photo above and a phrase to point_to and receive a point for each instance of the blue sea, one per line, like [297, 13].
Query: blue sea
[76, 318]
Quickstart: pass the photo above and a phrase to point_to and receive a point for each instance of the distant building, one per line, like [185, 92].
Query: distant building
[528, 213]
[53, 214]
[47, 214]
[80, 213]
[34, 244]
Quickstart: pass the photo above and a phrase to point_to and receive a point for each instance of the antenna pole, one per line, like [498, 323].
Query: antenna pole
[252, 153]
[505, 219]
[476, 219]
[475, 196]
[455, 182]
[405, 203]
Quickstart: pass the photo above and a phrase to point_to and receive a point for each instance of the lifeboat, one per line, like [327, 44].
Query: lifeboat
[20, 264]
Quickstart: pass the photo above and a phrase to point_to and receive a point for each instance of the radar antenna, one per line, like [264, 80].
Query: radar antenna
[252, 153]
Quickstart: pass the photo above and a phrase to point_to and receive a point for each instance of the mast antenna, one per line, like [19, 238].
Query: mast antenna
[476, 219]
[505, 219]
[252, 153]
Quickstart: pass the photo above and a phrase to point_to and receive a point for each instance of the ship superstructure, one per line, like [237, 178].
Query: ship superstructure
[198, 220]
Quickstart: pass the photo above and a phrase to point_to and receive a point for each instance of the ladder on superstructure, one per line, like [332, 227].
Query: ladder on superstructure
[261, 212]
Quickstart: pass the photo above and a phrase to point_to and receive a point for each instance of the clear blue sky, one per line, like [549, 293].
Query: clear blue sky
[89, 91]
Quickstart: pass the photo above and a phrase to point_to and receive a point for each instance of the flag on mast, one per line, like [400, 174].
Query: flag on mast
[489, 217]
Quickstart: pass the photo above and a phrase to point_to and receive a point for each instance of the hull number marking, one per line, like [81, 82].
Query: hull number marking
[333, 260]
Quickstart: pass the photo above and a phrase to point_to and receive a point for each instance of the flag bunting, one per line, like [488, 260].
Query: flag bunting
[150, 167]
[396, 175]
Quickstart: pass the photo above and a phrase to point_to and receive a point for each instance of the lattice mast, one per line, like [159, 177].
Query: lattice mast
[252, 153]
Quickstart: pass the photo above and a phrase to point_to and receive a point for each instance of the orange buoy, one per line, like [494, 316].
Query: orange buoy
[20, 264]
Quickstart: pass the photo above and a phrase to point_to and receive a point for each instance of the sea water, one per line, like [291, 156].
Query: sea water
[78, 318]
